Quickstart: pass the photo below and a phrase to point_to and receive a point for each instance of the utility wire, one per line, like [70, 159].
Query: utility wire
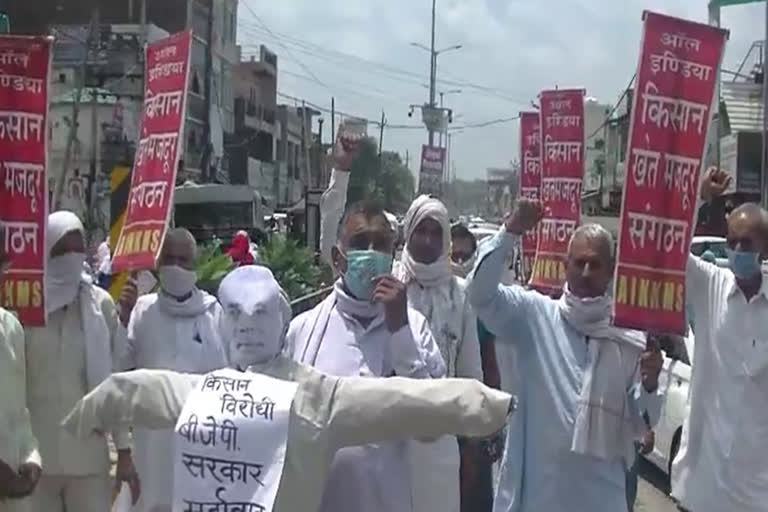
[615, 107]
[394, 73]
[288, 51]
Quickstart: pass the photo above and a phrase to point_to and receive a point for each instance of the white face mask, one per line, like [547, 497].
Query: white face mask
[176, 281]
[63, 275]
[255, 338]
[66, 268]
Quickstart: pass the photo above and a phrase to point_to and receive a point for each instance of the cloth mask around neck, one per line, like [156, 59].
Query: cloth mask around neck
[176, 281]
[744, 264]
[62, 279]
[363, 266]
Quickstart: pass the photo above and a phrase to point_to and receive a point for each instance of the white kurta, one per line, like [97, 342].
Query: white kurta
[721, 464]
[327, 414]
[435, 465]
[374, 478]
[18, 444]
[159, 340]
[56, 380]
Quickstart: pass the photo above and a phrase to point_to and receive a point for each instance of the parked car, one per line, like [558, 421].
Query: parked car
[716, 244]
[674, 381]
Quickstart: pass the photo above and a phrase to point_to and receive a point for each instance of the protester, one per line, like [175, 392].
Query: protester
[103, 268]
[582, 382]
[327, 412]
[463, 250]
[240, 249]
[720, 465]
[366, 328]
[65, 359]
[174, 329]
[20, 464]
[433, 290]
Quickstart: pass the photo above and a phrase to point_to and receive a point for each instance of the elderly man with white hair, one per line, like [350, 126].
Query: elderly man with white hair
[67, 358]
[584, 385]
[325, 413]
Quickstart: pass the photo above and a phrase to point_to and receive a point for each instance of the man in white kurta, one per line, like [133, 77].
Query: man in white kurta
[326, 413]
[20, 464]
[583, 383]
[436, 293]
[174, 329]
[67, 358]
[366, 328]
[721, 464]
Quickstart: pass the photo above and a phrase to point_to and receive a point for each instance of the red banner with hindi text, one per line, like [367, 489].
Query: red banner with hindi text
[671, 112]
[431, 172]
[160, 143]
[25, 64]
[562, 170]
[530, 177]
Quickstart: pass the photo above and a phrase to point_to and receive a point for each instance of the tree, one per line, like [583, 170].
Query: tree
[388, 181]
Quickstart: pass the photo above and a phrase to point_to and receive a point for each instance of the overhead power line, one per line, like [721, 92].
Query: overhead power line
[374, 67]
[288, 51]
[615, 107]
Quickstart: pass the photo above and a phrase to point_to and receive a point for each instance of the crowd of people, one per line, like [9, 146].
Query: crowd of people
[394, 372]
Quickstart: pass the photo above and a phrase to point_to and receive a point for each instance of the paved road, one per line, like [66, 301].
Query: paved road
[652, 490]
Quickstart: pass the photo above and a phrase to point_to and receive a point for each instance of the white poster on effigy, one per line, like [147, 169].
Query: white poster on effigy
[230, 443]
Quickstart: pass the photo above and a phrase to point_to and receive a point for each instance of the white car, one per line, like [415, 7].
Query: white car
[674, 381]
[716, 244]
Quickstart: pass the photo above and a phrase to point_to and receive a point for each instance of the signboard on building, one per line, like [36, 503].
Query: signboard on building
[24, 90]
[530, 177]
[676, 78]
[157, 153]
[431, 172]
[562, 170]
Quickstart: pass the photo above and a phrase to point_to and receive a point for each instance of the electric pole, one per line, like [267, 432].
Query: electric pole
[58, 190]
[432, 72]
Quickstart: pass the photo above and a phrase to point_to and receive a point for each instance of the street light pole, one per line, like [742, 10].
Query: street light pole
[432, 71]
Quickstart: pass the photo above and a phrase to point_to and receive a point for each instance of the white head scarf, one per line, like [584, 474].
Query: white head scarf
[65, 280]
[64, 273]
[432, 288]
[256, 315]
[439, 272]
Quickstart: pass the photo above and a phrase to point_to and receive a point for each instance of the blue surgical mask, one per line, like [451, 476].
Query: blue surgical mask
[362, 268]
[744, 264]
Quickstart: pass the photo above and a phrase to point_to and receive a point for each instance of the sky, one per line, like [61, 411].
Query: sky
[360, 52]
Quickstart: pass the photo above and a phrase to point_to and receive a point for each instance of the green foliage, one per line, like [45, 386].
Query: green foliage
[388, 181]
[211, 266]
[292, 264]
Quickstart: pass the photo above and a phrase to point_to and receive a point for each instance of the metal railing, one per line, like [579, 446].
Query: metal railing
[307, 302]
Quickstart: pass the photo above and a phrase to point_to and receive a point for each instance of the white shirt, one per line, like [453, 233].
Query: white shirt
[56, 380]
[332, 204]
[723, 463]
[375, 477]
[17, 443]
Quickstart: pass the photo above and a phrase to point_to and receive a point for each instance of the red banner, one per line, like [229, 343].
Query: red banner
[562, 169]
[161, 140]
[670, 116]
[431, 172]
[25, 64]
[530, 177]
